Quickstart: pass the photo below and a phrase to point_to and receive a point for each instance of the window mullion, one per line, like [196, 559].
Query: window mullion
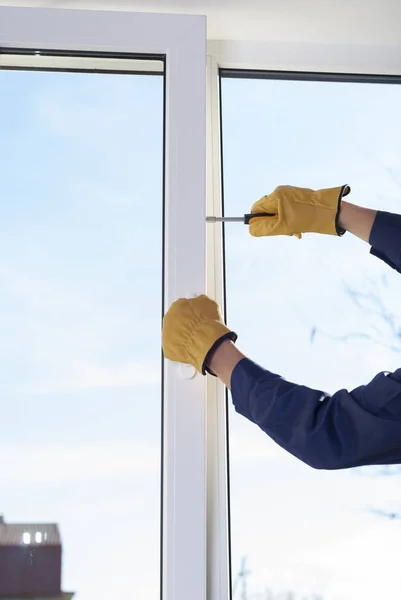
[217, 489]
[184, 447]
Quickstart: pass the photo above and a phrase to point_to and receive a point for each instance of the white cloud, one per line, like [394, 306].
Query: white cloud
[41, 292]
[128, 374]
[66, 112]
[79, 376]
[249, 444]
[61, 331]
[33, 465]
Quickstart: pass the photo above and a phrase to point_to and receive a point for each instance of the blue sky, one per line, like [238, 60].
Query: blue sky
[80, 306]
[80, 309]
[300, 528]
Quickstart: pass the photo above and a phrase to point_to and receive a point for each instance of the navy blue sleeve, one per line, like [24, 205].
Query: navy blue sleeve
[385, 239]
[347, 429]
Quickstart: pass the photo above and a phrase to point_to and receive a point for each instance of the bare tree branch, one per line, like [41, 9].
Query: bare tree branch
[386, 514]
[384, 326]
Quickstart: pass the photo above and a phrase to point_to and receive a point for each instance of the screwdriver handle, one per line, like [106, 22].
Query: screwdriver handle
[250, 216]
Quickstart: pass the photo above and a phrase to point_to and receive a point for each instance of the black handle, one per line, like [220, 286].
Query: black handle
[250, 216]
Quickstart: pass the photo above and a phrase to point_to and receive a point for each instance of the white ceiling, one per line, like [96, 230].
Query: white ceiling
[370, 22]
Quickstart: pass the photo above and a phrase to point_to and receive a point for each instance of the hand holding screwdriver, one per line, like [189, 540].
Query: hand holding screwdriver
[291, 210]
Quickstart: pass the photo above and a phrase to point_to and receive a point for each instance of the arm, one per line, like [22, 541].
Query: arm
[348, 429]
[381, 229]
[357, 220]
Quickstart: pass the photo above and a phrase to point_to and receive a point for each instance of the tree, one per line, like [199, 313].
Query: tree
[383, 327]
[240, 585]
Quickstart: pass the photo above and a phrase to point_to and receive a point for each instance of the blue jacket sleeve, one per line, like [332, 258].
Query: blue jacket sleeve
[385, 239]
[348, 429]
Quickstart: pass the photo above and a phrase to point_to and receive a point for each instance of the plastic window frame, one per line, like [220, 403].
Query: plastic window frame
[273, 60]
[195, 504]
[181, 42]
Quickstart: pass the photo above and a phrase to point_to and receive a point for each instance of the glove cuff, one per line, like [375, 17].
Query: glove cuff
[344, 191]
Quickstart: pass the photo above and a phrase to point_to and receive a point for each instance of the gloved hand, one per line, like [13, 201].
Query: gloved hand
[298, 210]
[192, 330]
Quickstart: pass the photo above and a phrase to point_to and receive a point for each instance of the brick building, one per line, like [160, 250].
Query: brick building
[30, 562]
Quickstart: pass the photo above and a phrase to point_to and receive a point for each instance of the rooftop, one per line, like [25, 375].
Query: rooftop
[63, 596]
[14, 534]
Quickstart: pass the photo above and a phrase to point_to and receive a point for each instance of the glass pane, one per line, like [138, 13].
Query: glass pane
[80, 314]
[312, 534]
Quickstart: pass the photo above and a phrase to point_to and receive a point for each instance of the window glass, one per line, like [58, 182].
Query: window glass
[80, 315]
[321, 312]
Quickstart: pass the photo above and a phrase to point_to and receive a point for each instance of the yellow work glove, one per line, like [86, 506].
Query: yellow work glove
[298, 210]
[192, 330]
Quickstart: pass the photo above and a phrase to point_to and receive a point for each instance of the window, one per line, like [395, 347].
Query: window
[180, 41]
[314, 534]
[96, 434]
[26, 538]
[81, 302]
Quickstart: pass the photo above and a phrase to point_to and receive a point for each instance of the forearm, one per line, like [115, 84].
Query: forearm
[224, 360]
[357, 220]
[382, 230]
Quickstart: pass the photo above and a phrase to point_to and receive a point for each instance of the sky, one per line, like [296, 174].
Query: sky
[301, 529]
[80, 306]
[80, 311]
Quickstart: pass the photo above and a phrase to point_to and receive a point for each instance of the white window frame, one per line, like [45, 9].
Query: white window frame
[304, 57]
[307, 58]
[182, 40]
[218, 526]
[195, 494]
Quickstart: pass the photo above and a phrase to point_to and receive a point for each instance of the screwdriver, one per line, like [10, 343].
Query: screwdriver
[245, 219]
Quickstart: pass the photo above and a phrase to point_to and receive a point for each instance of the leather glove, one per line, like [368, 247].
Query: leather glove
[299, 210]
[192, 331]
